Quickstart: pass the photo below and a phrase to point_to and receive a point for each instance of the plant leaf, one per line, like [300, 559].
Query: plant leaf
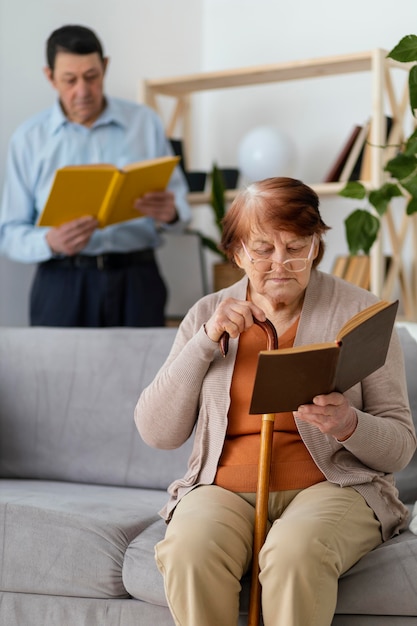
[353, 189]
[217, 196]
[411, 186]
[412, 206]
[361, 229]
[412, 85]
[211, 245]
[411, 144]
[380, 198]
[401, 166]
[405, 50]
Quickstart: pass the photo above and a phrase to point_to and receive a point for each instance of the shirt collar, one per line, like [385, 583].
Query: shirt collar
[112, 114]
[57, 119]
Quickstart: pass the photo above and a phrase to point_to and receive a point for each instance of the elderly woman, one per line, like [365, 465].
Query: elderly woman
[332, 494]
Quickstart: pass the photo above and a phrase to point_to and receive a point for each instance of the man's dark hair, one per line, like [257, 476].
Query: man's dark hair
[74, 39]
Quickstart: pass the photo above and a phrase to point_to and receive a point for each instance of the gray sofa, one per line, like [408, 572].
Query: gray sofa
[79, 491]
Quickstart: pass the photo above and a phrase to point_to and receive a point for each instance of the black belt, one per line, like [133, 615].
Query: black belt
[104, 261]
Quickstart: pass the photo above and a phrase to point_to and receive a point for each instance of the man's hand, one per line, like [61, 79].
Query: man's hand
[160, 205]
[72, 237]
[331, 414]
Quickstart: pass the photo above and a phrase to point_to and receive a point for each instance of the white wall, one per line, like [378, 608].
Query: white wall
[158, 38]
[317, 114]
[144, 38]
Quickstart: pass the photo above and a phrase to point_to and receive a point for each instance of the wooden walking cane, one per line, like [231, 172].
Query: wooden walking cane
[262, 489]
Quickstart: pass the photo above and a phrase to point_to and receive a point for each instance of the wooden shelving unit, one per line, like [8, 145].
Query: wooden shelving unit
[383, 94]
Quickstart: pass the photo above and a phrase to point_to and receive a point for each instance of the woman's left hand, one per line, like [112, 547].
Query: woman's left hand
[332, 414]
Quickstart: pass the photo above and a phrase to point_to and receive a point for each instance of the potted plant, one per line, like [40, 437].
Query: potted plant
[225, 273]
[362, 226]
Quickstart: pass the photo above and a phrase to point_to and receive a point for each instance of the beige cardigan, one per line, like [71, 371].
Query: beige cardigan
[190, 395]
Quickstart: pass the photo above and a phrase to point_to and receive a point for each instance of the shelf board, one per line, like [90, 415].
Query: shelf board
[292, 70]
[322, 189]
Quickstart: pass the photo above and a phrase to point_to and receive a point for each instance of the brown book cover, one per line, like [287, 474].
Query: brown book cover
[352, 166]
[287, 378]
[103, 190]
[336, 169]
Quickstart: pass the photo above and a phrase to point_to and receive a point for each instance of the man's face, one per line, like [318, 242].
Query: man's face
[78, 79]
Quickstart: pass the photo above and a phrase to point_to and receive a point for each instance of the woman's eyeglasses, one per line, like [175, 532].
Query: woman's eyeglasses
[266, 266]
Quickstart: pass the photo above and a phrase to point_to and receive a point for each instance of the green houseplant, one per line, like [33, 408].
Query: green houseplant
[218, 204]
[362, 226]
[224, 272]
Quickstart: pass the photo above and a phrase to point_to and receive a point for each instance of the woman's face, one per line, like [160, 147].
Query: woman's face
[281, 285]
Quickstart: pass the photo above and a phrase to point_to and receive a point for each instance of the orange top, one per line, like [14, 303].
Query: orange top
[292, 466]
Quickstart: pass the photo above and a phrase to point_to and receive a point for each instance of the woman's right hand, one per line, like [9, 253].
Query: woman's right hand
[234, 317]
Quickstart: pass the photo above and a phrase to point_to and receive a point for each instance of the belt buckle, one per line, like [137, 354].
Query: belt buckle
[100, 262]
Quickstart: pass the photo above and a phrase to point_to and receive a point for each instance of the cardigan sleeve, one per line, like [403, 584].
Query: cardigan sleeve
[168, 409]
[384, 439]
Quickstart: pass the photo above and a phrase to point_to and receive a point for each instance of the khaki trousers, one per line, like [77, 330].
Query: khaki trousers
[316, 534]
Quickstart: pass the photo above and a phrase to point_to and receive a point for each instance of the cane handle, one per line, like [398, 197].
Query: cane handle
[266, 326]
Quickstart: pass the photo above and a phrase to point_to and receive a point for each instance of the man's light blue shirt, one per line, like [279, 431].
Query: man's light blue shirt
[125, 132]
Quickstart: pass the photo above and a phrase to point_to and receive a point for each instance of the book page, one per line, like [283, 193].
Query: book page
[364, 347]
[363, 315]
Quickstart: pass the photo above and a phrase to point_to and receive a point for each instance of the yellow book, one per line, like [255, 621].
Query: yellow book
[104, 191]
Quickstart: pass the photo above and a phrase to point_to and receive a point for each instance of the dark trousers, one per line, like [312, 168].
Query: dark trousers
[76, 292]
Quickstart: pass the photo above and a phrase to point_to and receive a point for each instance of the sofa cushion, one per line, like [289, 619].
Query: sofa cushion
[70, 539]
[383, 582]
[141, 576]
[67, 403]
[366, 589]
[25, 609]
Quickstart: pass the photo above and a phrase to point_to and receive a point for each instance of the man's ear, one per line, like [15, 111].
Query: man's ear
[106, 61]
[49, 74]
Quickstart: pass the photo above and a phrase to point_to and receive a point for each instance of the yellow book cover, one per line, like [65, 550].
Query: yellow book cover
[104, 191]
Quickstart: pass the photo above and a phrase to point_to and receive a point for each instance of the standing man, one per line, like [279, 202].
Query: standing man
[88, 276]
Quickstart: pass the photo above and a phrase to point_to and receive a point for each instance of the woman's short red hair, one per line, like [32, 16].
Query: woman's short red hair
[273, 204]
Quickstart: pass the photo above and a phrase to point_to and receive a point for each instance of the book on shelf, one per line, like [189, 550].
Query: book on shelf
[333, 175]
[340, 265]
[104, 190]
[289, 377]
[355, 269]
[352, 167]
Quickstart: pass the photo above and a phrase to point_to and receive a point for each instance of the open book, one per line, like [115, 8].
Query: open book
[292, 376]
[103, 190]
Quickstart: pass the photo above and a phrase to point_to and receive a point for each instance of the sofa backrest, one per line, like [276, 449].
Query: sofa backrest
[67, 398]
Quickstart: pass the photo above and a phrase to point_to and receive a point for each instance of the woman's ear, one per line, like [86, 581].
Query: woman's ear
[237, 260]
[316, 246]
